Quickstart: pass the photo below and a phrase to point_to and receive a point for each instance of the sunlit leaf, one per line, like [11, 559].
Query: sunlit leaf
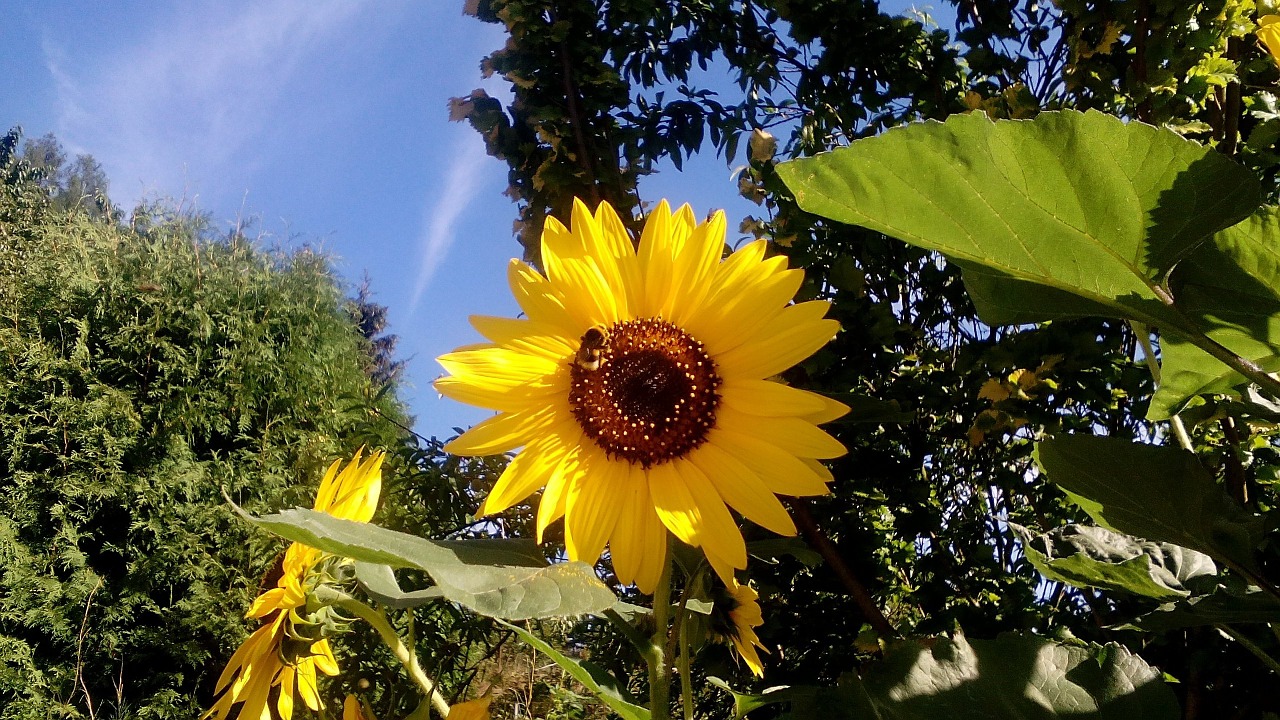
[1012, 677]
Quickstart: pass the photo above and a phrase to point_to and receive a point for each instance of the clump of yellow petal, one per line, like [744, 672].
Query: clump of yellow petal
[477, 709]
[736, 614]
[351, 709]
[641, 386]
[1269, 33]
[259, 664]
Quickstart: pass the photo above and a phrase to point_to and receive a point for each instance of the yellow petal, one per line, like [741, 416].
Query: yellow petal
[307, 688]
[795, 334]
[691, 509]
[732, 318]
[627, 544]
[351, 708]
[539, 300]
[323, 657]
[524, 475]
[742, 489]
[782, 472]
[654, 556]
[285, 703]
[503, 432]
[765, 397]
[552, 505]
[592, 509]
[498, 366]
[719, 535]
[695, 265]
[798, 437]
[525, 336]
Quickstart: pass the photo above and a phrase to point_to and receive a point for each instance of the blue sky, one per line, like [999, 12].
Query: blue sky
[326, 122]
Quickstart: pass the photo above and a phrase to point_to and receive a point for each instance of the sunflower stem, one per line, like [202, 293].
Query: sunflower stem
[659, 664]
[686, 682]
[378, 620]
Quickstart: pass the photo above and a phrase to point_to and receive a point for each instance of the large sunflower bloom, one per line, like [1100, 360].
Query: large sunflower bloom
[638, 386]
[274, 657]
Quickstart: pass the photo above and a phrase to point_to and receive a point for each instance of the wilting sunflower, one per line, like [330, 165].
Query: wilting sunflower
[639, 386]
[735, 613]
[282, 656]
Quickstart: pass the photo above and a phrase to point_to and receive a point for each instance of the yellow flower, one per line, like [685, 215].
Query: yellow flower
[477, 709]
[639, 386]
[1269, 33]
[283, 652]
[734, 616]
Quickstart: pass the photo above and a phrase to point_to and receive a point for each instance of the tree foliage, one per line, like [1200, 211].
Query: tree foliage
[148, 368]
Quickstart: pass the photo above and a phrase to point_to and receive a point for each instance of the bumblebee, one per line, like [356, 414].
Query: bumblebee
[591, 348]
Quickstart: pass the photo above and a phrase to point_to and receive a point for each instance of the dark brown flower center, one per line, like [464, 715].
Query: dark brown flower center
[644, 390]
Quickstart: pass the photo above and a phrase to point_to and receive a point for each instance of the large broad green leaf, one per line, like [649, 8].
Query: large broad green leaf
[1089, 556]
[1012, 677]
[1081, 203]
[497, 578]
[1221, 608]
[595, 678]
[1231, 287]
[1072, 215]
[1155, 492]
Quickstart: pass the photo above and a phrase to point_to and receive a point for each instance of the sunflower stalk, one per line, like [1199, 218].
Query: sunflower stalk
[402, 652]
[656, 657]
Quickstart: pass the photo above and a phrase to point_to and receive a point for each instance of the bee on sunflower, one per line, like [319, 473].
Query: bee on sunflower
[640, 385]
[279, 661]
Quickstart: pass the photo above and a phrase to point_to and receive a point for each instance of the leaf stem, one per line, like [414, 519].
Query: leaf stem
[1251, 647]
[378, 620]
[1149, 355]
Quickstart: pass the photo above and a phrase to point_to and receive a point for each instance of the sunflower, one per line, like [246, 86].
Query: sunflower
[735, 613]
[638, 385]
[290, 646]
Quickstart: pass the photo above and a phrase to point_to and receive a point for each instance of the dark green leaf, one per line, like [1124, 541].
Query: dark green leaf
[1221, 608]
[379, 581]
[1154, 492]
[1231, 287]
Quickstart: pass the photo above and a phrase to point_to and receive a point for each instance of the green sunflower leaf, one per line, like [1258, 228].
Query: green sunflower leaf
[595, 678]
[379, 581]
[496, 578]
[1154, 492]
[1068, 215]
[1231, 286]
[1011, 677]
[1089, 556]
[1223, 607]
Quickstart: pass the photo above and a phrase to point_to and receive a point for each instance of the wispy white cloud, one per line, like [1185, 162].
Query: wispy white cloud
[182, 102]
[440, 218]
